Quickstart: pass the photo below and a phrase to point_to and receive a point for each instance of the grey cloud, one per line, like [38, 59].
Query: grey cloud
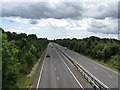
[11, 21]
[103, 30]
[108, 26]
[61, 10]
[96, 24]
[102, 10]
[41, 10]
[32, 21]
[119, 9]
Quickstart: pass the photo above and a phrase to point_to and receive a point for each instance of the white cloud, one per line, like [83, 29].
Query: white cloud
[17, 19]
[58, 0]
[58, 23]
[16, 30]
[105, 26]
[19, 27]
[100, 10]
[33, 28]
[66, 24]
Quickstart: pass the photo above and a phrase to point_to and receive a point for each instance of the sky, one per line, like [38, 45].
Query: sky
[60, 19]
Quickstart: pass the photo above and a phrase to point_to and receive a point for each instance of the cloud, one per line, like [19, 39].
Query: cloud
[22, 20]
[33, 28]
[61, 10]
[57, 1]
[16, 30]
[65, 24]
[106, 26]
[17, 19]
[19, 27]
[11, 21]
[32, 21]
[101, 10]
[41, 10]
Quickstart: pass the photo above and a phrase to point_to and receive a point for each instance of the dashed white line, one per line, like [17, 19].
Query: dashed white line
[71, 72]
[58, 78]
[55, 68]
[109, 76]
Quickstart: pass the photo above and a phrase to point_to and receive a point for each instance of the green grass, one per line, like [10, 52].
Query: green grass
[23, 81]
[100, 62]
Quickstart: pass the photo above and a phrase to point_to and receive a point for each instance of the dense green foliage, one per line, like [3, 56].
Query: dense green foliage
[19, 54]
[105, 50]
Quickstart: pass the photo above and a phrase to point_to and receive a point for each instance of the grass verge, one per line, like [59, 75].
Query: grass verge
[23, 81]
[101, 62]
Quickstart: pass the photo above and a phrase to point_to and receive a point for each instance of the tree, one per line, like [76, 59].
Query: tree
[19, 53]
[10, 63]
[31, 37]
[27, 63]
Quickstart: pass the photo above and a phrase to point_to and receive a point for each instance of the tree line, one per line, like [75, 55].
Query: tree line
[105, 50]
[19, 54]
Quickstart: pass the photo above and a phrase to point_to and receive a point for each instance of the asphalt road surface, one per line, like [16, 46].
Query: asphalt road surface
[107, 76]
[55, 73]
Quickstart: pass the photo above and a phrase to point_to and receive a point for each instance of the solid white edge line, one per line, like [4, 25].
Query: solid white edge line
[55, 68]
[57, 78]
[71, 72]
[40, 74]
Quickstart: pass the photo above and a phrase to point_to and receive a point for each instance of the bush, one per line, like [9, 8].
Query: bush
[114, 60]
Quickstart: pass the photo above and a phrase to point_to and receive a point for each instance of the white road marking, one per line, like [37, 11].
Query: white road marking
[109, 76]
[58, 78]
[40, 74]
[71, 72]
[55, 68]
